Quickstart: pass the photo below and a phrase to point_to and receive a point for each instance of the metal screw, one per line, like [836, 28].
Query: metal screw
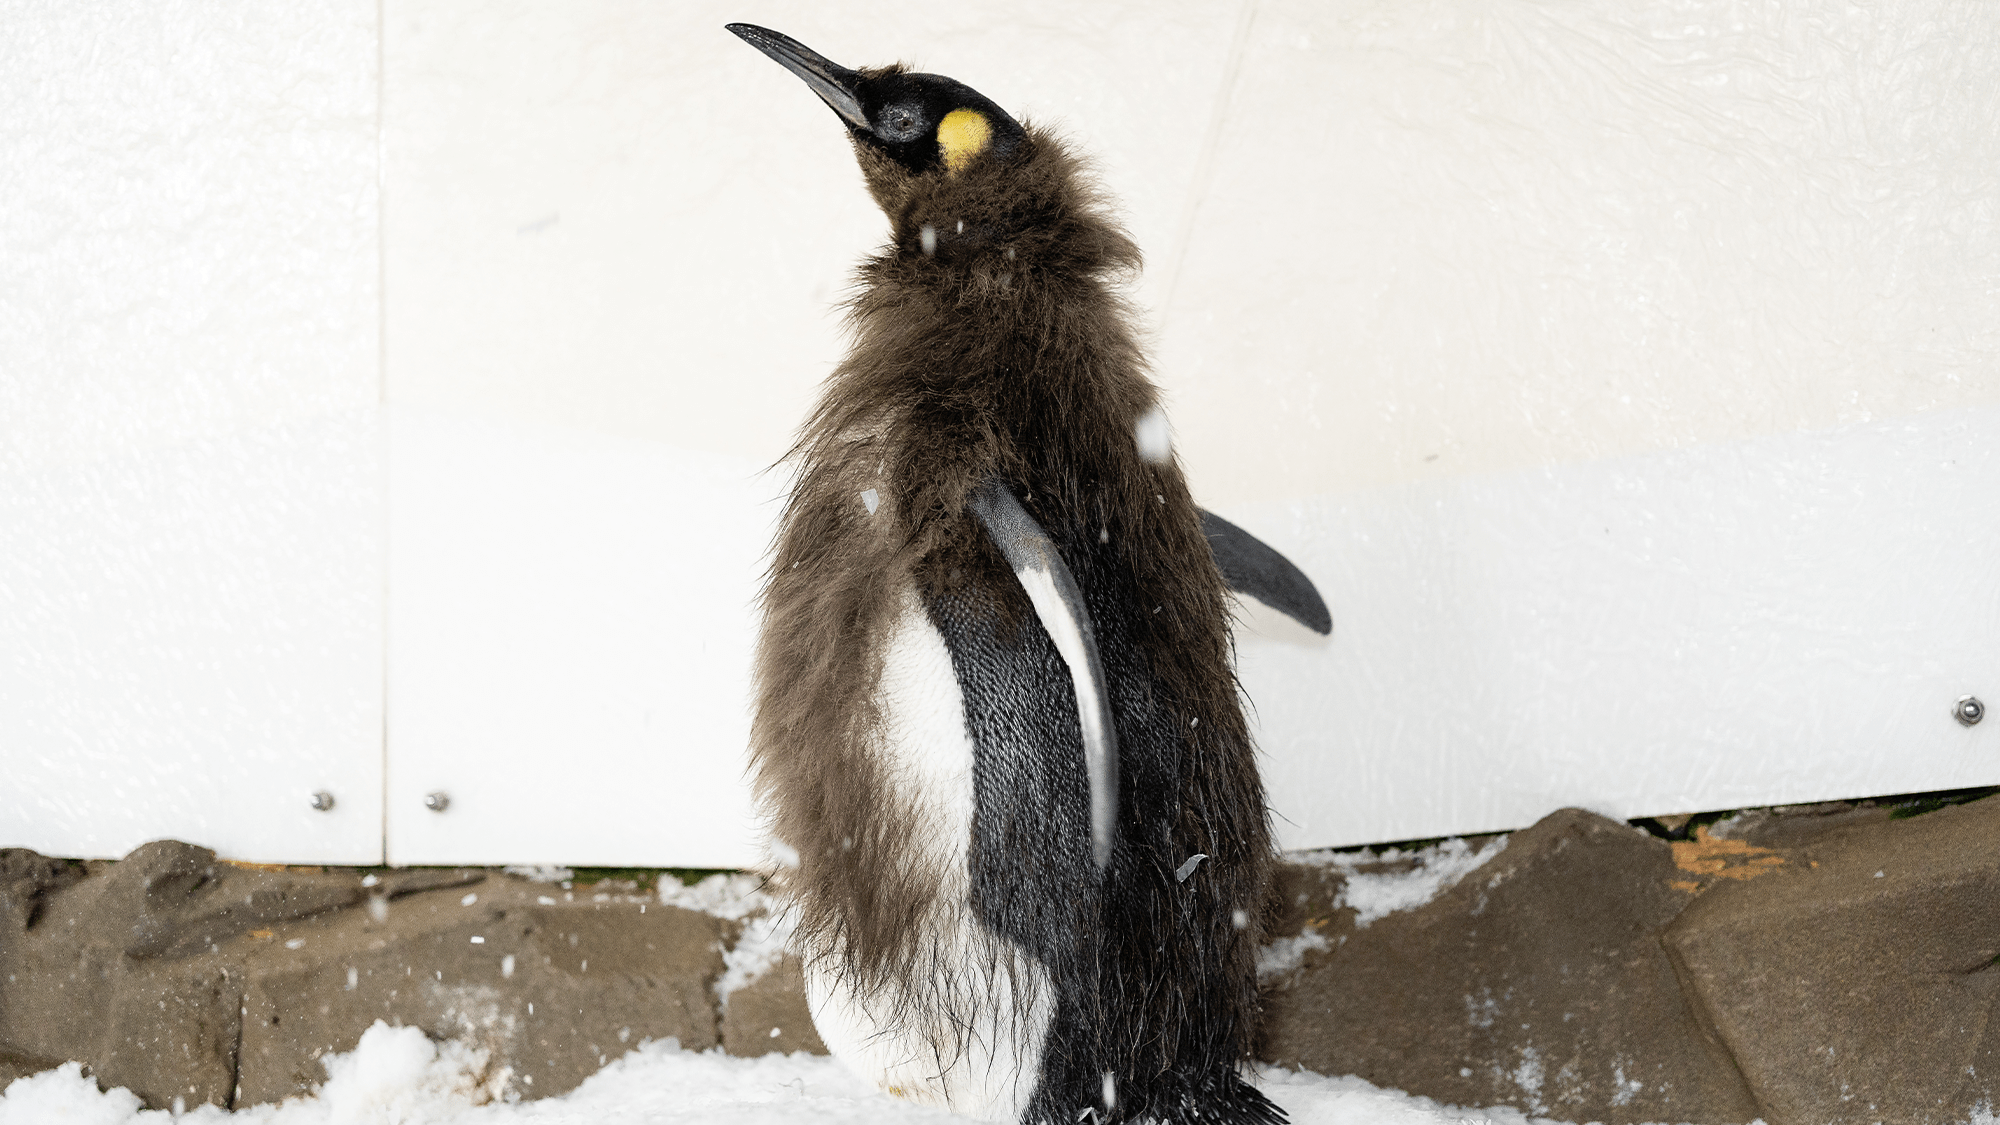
[1968, 710]
[438, 801]
[323, 801]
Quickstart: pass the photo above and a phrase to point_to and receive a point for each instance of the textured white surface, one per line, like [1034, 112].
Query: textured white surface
[1782, 620]
[1454, 237]
[569, 646]
[1439, 288]
[616, 216]
[191, 223]
[190, 479]
[195, 640]
[615, 238]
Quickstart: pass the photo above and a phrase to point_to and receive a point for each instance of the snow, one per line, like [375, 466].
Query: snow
[733, 895]
[740, 898]
[1415, 877]
[1412, 878]
[1154, 437]
[396, 1076]
[542, 872]
[1286, 955]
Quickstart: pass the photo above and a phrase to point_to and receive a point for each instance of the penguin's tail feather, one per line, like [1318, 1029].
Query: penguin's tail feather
[1225, 1099]
[1219, 1099]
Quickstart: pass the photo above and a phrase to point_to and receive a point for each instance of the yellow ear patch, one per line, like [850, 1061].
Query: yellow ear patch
[962, 135]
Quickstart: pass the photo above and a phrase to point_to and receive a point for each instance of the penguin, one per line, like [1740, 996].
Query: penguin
[998, 741]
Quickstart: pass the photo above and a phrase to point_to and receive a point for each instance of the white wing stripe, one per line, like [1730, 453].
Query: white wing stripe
[1053, 591]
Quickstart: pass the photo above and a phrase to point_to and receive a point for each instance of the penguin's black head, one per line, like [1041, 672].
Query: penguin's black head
[922, 123]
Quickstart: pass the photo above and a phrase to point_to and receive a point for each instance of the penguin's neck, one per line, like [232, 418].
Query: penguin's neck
[1002, 348]
[1032, 213]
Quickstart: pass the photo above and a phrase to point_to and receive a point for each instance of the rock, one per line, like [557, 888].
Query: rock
[164, 1029]
[1794, 826]
[1860, 984]
[769, 1014]
[1812, 964]
[551, 991]
[172, 899]
[25, 877]
[182, 977]
[410, 880]
[59, 987]
[1306, 896]
[13, 1066]
[172, 1032]
[1537, 981]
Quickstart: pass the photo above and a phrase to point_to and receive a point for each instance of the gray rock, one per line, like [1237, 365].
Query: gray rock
[550, 992]
[57, 988]
[166, 1029]
[14, 1066]
[1538, 981]
[181, 977]
[1794, 826]
[769, 1014]
[1587, 972]
[410, 880]
[171, 1032]
[1859, 983]
[25, 877]
[174, 899]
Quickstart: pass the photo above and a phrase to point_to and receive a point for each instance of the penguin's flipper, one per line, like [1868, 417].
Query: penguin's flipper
[1058, 603]
[1251, 566]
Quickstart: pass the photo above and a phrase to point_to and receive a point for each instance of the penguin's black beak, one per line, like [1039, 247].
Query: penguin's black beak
[836, 85]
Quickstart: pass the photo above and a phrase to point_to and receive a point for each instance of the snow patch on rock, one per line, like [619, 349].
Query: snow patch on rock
[759, 950]
[1288, 954]
[735, 896]
[767, 926]
[541, 872]
[1413, 878]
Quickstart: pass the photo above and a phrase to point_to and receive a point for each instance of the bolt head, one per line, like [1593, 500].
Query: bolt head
[1968, 710]
[438, 801]
[323, 801]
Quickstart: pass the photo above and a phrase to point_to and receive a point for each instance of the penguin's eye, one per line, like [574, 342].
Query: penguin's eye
[901, 123]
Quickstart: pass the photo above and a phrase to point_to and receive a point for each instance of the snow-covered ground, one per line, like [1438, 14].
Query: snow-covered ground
[396, 1076]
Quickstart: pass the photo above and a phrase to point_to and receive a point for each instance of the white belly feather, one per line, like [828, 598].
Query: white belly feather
[967, 1033]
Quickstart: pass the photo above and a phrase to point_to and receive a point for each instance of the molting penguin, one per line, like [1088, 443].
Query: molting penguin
[998, 736]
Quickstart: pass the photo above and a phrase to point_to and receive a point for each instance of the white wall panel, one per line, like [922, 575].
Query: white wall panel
[1623, 374]
[1449, 237]
[194, 647]
[571, 630]
[191, 559]
[1781, 620]
[616, 239]
[1626, 373]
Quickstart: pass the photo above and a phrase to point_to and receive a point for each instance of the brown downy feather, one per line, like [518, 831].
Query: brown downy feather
[1004, 352]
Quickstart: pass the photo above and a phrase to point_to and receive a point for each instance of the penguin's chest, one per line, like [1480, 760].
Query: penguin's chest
[978, 737]
[923, 742]
[964, 1026]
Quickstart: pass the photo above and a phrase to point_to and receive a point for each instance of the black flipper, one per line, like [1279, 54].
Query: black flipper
[1058, 603]
[1252, 567]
